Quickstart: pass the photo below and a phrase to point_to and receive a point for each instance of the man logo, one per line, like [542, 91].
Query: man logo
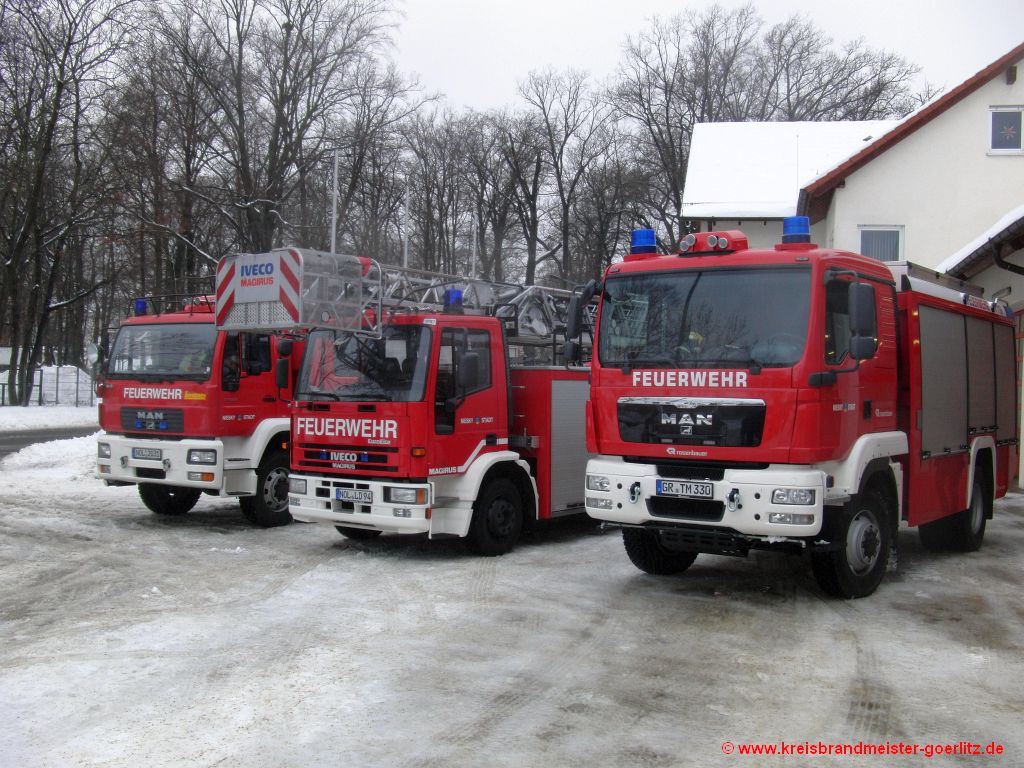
[687, 419]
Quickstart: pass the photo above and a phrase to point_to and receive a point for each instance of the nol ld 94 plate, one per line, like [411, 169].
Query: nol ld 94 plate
[354, 495]
[152, 454]
[686, 489]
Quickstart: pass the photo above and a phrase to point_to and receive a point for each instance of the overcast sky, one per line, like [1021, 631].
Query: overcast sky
[477, 51]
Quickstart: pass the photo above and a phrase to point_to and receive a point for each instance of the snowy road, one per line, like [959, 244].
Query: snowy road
[130, 640]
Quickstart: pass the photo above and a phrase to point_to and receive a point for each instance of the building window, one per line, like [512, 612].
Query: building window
[882, 243]
[1006, 129]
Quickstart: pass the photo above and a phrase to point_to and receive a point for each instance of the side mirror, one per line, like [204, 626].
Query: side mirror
[282, 374]
[862, 309]
[574, 321]
[571, 351]
[575, 317]
[284, 347]
[862, 347]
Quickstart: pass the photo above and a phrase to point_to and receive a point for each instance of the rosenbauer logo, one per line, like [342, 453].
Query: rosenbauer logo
[377, 429]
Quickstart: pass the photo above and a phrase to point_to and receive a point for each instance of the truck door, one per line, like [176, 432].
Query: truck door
[865, 397]
[247, 381]
[467, 416]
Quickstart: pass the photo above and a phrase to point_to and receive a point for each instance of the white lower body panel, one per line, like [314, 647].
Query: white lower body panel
[744, 497]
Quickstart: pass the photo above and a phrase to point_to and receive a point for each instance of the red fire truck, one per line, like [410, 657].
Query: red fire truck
[426, 403]
[796, 397]
[187, 409]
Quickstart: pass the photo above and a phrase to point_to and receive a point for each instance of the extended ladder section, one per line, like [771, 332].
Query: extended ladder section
[914, 277]
[295, 288]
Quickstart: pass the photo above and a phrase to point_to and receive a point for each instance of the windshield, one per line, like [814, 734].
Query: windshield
[751, 317]
[172, 351]
[340, 366]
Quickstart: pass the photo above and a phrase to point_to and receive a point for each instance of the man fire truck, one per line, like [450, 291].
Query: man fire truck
[187, 409]
[426, 403]
[797, 397]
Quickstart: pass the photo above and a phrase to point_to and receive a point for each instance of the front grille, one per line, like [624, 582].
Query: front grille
[691, 472]
[320, 456]
[725, 423]
[153, 421]
[686, 509]
[709, 541]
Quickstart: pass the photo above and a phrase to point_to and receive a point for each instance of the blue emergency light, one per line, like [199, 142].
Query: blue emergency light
[643, 241]
[140, 306]
[453, 300]
[796, 229]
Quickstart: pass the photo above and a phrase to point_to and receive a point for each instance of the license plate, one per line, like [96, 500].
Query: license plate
[153, 454]
[686, 489]
[354, 495]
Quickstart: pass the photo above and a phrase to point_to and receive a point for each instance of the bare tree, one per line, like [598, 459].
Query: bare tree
[524, 153]
[801, 77]
[720, 65]
[437, 197]
[56, 64]
[571, 118]
[283, 69]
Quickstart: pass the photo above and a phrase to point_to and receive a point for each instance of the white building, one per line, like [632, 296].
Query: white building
[921, 189]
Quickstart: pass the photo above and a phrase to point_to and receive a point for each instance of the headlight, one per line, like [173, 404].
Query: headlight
[201, 456]
[798, 496]
[103, 450]
[403, 495]
[297, 485]
[594, 503]
[598, 483]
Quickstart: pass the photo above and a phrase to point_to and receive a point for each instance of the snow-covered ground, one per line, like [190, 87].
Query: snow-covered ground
[129, 639]
[14, 418]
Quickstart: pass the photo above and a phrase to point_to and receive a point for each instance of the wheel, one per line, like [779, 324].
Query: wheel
[168, 499]
[863, 533]
[962, 532]
[497, 519]
[269, 507]
[651, 556]
[357, 533]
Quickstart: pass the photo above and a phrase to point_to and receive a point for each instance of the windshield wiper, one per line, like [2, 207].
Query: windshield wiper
[317, 394]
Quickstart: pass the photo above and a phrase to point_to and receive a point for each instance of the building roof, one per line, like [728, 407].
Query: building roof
[754, 170]
[816, 196]
[1006, 234]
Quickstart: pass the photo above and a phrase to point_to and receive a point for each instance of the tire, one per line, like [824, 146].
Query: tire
[357, 534]
[962, 532]
[168, 499]
[497, 519]
[269, 507]
[648, 554]
[863, 531]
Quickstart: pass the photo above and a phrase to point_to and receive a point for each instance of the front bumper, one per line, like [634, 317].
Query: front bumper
[321, 504]
[133, 460]
[741, 500]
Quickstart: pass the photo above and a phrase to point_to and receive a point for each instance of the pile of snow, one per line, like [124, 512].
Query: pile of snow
[61, 385]
[16, 419]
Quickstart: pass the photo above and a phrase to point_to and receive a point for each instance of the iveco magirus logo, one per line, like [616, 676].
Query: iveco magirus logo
[686, 421]
[343, 456]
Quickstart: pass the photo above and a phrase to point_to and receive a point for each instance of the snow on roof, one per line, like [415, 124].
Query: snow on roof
[756, 170]
[968, 250]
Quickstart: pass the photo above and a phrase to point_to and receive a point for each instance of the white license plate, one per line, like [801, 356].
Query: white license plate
[354, 495]
[686, 489]
[153, 454]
